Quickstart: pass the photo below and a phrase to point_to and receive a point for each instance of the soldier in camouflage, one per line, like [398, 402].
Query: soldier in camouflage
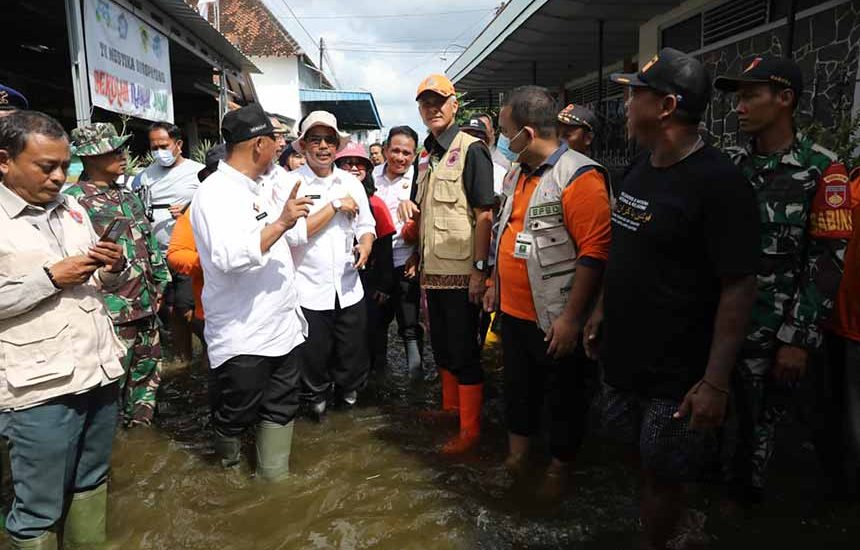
[135, 305]
[801, 191]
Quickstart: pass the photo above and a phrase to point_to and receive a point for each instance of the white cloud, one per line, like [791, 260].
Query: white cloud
[391, 77]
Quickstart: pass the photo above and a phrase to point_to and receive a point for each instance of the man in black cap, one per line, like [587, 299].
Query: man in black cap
[253, 320]
[577, 126]
[11, 100]
[679, 287]
[805, 209]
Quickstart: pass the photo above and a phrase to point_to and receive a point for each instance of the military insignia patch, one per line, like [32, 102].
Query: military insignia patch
[77, 216]
[753, 64]
[453, 157]
[836, 195]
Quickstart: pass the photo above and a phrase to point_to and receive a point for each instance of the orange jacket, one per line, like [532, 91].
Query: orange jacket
[182, 257]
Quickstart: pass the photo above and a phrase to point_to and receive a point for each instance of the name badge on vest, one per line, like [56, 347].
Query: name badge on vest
[546, 209]
[523, 246]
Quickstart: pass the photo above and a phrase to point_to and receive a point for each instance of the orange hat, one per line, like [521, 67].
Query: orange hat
[436, 83]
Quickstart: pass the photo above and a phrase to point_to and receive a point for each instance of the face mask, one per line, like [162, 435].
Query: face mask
[164, 157]
[502, 147]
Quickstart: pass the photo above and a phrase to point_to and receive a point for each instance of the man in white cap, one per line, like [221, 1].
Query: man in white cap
[339, 235]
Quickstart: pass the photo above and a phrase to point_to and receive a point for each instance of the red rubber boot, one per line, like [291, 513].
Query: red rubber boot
[471, 399]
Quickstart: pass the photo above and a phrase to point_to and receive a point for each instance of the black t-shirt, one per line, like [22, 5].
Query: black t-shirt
[477, 170]
[675, 232]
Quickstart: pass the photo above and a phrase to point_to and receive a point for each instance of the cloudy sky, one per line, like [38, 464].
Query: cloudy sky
[386, 47]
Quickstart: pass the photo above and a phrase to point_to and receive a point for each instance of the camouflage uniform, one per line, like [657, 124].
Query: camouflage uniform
[133, 307]
[801, 265]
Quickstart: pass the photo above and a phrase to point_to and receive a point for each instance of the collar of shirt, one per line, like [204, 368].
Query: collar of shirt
[383, 175]
[548, 163]
[311, 177]
[15, 205]
[441, 144]
[238, 177]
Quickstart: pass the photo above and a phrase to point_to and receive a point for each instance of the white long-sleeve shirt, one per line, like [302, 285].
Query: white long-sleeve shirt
[250, 297]
[392, 193]
[324, 264]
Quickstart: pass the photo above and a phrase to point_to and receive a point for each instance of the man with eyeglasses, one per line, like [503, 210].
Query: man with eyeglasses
[337, 242]
[134, 306]
[454, 212]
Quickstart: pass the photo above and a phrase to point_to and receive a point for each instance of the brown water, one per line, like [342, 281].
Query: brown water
[371, 478]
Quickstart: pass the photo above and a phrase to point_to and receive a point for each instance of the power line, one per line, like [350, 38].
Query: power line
[384, 50]
[396, 15]
[314, 40]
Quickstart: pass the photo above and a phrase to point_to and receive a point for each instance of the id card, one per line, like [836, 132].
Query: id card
[523, 246]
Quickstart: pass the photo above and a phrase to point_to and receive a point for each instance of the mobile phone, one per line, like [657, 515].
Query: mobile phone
[115, 229]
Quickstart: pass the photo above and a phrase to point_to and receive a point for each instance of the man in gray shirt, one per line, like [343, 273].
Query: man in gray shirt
[166, 188]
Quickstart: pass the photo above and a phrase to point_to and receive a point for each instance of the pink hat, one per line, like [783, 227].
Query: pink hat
[354, 149]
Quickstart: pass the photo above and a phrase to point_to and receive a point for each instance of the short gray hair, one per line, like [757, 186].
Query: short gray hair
[536, 107]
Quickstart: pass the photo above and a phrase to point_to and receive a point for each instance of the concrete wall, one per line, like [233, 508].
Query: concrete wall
[278, 85]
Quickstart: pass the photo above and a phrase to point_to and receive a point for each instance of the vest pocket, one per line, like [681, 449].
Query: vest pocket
[35, 354]
[452, 238]
[554, 246]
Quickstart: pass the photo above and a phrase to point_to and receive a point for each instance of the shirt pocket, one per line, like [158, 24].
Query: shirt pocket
[452, 238]
[552, 241]
[784, 213]
[446, 195]
[37, 353]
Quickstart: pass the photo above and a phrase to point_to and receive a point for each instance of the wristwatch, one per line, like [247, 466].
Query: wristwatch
[337, 204]
[481, 265]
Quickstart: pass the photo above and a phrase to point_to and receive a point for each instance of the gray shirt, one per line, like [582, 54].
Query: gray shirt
[168, 186]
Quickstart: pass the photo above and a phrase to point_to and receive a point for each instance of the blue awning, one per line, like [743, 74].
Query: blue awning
[354, 110]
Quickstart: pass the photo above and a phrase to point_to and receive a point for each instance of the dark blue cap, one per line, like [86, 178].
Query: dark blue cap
[12, 99]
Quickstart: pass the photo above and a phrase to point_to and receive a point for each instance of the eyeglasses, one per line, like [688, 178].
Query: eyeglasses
[316, 140]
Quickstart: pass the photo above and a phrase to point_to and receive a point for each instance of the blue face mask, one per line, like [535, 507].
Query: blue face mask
[502, 147]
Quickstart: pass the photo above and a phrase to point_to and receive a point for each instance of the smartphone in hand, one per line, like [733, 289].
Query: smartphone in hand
[115, 229]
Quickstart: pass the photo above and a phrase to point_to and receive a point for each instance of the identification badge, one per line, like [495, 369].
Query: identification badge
[545, 209]
[313, 197]
[523, 246]
[262, 215]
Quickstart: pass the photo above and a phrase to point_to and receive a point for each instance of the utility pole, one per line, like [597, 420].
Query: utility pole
[322, 54]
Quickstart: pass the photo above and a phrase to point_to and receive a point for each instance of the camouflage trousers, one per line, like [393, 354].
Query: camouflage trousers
[761, 403]
[142, 365]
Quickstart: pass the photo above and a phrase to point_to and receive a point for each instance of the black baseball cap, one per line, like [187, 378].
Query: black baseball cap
[577, 115]
[676, 73]
[765, 70]
[246, 123]
[475, 124]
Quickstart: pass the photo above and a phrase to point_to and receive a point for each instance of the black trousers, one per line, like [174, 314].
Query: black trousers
[250, 388]
[454, 324]
[532, 377]
[335, 350]
[404, 305]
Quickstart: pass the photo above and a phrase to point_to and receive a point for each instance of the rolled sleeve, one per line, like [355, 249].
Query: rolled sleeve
[19, 295]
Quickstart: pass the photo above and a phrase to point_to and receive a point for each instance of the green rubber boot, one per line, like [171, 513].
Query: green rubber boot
[86, 521]
[274, 442]
[45, 541]
[227, 449]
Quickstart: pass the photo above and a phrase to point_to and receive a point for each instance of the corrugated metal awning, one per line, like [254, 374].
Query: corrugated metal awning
[354, 110]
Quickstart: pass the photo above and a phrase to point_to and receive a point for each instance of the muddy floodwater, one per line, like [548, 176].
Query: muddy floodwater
[370, 477]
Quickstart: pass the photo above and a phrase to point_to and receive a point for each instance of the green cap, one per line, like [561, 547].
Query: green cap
[96, 139]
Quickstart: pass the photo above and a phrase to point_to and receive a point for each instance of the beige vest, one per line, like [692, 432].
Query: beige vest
[66, 344]
[447, 234]
[551, 263]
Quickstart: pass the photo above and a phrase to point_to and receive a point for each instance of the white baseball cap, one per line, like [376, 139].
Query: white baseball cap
[321, 118]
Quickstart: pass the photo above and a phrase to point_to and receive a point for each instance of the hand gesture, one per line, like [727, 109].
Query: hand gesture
[363, 253]
[705, 404]
[410, 270]
[73, 271]
[294, 208]
[110, 255]
[348, 206]
[406, 210]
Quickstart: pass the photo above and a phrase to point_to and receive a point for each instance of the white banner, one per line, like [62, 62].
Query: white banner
[128, 62]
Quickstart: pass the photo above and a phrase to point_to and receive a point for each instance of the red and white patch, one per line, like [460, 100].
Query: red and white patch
[836, 195]
[77, 216]
[453, 157]
[753, 64]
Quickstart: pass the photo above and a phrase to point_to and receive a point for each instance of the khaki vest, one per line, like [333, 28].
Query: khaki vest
[551, 263]
[447, 234]
[66, 344]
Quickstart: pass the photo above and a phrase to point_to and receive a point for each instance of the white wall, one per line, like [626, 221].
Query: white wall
[278, 85]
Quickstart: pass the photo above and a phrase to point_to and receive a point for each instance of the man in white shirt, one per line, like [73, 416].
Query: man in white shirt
[393, 185]
[327, 265]
[166, 188]
[253, 320]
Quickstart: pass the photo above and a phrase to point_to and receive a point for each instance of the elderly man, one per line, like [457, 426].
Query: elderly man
[328, 263]
[455, 211]
[134, 307]
[253, 320]
[60, 357]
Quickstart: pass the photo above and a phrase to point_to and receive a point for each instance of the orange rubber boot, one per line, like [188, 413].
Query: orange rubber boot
[450, 400]
[471, 399]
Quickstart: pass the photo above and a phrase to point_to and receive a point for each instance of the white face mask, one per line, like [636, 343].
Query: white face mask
[164, 157]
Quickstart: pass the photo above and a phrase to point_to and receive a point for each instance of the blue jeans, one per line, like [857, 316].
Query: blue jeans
[57, 449]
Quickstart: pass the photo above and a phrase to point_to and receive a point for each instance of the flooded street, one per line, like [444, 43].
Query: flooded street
[371, 478]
